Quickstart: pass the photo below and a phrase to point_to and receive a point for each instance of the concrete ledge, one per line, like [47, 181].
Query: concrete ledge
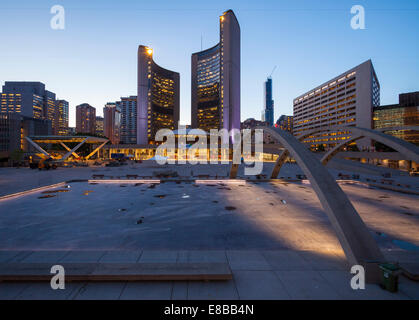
[17, 272]
[22, 193]
[124, 181]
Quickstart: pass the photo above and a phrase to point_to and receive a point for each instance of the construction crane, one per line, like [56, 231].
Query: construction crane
[270, 76]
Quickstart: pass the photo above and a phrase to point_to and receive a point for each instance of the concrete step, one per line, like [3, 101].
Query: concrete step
[17, 272]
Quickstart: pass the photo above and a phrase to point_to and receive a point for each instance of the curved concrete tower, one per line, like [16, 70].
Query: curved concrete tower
[157, 97]
[215, 80]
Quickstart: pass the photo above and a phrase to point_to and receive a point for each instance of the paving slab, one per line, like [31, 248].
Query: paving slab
[45, 256]
[207, 256]
[43, 291]
[100, 291]
[147, 291]
[247, 260]
[20, 255]
[158, 256]
[9, 291]
[307, 284]
[286, 260]
[83, 256]
[259, 285]
[214, 290]
[340, 281]
[180, 290]
[409, 288]
[323, 261]
[121, 256]
[7, 255]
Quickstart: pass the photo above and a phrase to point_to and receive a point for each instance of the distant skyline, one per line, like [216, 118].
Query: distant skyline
[94, 60]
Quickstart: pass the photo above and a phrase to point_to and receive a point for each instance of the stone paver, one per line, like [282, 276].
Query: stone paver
[307, 285]
[9, 291]
[286, 260]
[117, 256]
[147, 291]
[273, 274]
[258, 285]
[159, 256]
[247, 260]
[180, 290]
[214, 290]
[43, 291]
[45, 256]
[83, 256]
[321, 261]
[100, 290]
[340, 281]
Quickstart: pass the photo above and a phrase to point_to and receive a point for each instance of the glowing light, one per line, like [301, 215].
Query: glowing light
[124, 181]
[226, 181]
[149, 51]
[222, 18]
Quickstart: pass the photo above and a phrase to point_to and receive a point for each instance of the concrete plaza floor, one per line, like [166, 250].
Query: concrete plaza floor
[274, 235]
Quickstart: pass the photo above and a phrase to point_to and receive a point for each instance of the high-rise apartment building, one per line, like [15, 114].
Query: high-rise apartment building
[157, 97]
[85, 119]
[112, 122]
[215, 80]
[347, 99]
[268, 110]
[128, 130]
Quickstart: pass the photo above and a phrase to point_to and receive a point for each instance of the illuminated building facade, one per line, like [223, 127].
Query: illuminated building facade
[215, 85]
[61, 117]
[14, 127]
[347, 99]
[157, 98]
[99, 126]
[285, 123]
[406, 113]
[112, 122]
[268, 110]
[30, 99]
[85, 119]
[128, 130]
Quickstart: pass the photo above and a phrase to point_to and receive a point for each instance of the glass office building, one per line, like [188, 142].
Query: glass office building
[402, 115]
[268, 110]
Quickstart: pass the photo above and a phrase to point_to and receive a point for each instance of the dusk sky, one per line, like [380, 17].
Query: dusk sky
[94, 59]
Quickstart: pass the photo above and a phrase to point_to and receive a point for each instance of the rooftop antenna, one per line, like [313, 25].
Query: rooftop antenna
[201, 42]
[270, 76]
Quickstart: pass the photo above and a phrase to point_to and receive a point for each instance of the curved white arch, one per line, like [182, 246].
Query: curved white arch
[407, 149]
[357, 242]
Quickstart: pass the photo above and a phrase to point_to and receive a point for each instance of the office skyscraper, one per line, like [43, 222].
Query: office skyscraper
[215, 79]
[157, 97]
[268, 110]
[31, 99]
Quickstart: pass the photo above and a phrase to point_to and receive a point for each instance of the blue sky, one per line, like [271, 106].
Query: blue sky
[310, 41]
